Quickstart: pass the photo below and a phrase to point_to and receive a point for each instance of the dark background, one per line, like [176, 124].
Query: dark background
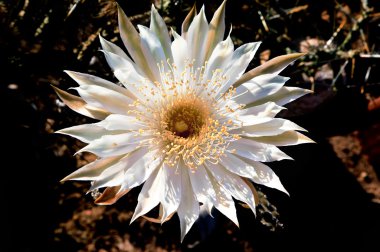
[330, 208]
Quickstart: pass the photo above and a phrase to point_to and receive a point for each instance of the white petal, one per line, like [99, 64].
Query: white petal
[117, 62]
[233, 184]
[255, 171]
[272, 66]
[257, 151]
[268, 109]
[105, 98]
[265, 175]
[150, 194]
[238, 166]
[259, 126]
[207, 206]
[196, 37]
[224, 202]
[220, 57]
[202, 185]
[129, 77]
[285, 139]
[115, 174]
[238, 64]
[158, 26]
[111, 47]
[188, 210]
[171, 196]
[87, 79]
[77, 104]
[180, 51]
[188, 20]
[113, 145]
[216, 30]
[112, 176]
[141, 170]
[153, 44]
[120, 66]
[92, 170]
[259, 87]
[85, 132]
[121, 122]
[282, 97]
[140, 54]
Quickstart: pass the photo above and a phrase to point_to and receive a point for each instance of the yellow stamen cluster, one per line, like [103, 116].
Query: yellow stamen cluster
[191, 124]
[186, 117]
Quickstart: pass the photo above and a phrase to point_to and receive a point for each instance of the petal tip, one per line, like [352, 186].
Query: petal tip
[134, 217]
[64, 179]
[67, 178]
[152, 8]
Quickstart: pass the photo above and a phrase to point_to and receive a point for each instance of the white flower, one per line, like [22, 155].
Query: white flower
[189, 124]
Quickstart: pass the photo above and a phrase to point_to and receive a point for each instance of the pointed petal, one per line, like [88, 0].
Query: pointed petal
[253, 170]
[202, 185]
[150, 194]
[117, 62]
[259, 126]
[130, 77]
[131, 39]
[85, 132]
[264, 175]
[282, 97]
[171, 196]
[153, 44]
[113, 145]
[121, 122]
[285, 139]
[257, 151]
[268, 109]
[253, 189]
[196, 38]
[105, 98]
[188, 20]
[236, 165]
[240, 60]
[224, 202]
[92, 170]
[215, 30]
[111, 47]
[86, 79]
[110, 195]
[220, 57]
[259, 87]
[207, 206]
[273, 66]
[141, 170]
[158, 219]
[115, 174]
[188, 210]
[112, 176]
[233, 184]
[158, 27]
[179, 49]
[80, 106]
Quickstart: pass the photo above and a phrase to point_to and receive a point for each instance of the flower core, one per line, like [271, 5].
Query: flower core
[186, 117]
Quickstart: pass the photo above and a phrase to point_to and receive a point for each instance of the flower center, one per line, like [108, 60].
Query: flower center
[191, 121]
[186, 117]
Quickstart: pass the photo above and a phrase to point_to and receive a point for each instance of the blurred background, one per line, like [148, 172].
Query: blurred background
[334, 185]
